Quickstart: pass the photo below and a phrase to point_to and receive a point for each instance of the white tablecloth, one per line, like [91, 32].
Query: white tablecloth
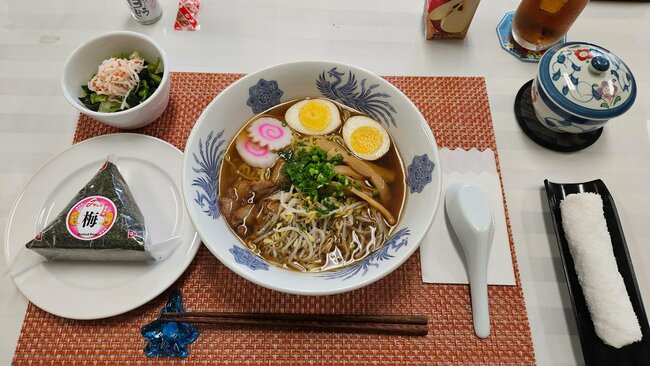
[384, 36]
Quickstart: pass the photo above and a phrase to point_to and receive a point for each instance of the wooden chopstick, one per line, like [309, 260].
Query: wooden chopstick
[379, 324]
[396, 319]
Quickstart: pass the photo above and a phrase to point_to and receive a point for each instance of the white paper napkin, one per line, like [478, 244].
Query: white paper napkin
[440, 253]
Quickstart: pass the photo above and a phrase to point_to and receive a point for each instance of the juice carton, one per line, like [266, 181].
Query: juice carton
[448, 18]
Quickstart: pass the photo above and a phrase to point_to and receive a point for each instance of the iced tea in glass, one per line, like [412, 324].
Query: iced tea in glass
[540, 24]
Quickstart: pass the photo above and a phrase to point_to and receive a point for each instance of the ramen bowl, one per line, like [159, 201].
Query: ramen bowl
[351, 86]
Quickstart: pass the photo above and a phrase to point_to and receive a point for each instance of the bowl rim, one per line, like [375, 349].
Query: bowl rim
[73, 100]
[394, 264]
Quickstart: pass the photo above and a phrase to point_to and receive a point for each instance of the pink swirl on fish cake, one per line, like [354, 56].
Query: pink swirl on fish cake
[255, 149]
[270, 131]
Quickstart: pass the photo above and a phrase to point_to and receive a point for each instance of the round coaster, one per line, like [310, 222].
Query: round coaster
[564, 142]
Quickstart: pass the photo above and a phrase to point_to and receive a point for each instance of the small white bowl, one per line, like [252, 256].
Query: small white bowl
[82, 65]
[352, 86]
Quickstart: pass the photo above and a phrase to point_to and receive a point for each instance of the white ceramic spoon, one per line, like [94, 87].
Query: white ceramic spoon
[468, 210]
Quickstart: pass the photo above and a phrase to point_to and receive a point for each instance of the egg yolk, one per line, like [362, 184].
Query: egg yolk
[315, 116]
[365, 140]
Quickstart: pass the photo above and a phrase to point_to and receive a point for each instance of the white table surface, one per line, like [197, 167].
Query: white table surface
[384, 36]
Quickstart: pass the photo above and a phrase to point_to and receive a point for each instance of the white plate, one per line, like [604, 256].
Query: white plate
[93, 290]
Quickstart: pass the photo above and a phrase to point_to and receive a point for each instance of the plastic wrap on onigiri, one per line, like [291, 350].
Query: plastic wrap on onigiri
[102, 222]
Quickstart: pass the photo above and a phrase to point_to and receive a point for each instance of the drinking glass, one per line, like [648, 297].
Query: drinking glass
[540, 24]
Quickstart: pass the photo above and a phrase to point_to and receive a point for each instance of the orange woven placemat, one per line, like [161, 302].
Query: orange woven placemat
[457, 110]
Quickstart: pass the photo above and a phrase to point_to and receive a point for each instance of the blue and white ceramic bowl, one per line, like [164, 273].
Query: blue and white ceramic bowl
[352, 86]
[580, 86]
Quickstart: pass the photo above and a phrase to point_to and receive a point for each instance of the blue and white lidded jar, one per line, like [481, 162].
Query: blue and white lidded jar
[580, 86]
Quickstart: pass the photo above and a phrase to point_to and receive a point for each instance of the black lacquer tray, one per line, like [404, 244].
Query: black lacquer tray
[594, 350]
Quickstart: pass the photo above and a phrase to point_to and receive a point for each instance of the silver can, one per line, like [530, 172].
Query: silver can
[145, 11]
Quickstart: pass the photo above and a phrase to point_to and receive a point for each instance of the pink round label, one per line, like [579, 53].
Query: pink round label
[91, 218]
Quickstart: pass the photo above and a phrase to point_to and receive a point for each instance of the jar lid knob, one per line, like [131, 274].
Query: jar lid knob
[599, 64]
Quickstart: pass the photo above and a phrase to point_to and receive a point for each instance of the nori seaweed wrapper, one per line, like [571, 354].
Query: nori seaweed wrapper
[102, 222]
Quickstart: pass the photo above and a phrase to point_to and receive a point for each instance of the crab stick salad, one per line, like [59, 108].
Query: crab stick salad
[122, 82]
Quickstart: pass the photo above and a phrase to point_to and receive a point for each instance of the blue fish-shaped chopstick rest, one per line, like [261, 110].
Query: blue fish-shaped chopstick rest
[166, 338]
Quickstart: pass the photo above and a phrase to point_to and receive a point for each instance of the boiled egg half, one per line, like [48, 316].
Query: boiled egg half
[365, 137]
[313, 117]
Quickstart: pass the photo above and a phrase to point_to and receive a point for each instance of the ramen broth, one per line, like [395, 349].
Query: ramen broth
[234, 169]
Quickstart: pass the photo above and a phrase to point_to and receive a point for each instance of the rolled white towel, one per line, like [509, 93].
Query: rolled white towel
[590, 244]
